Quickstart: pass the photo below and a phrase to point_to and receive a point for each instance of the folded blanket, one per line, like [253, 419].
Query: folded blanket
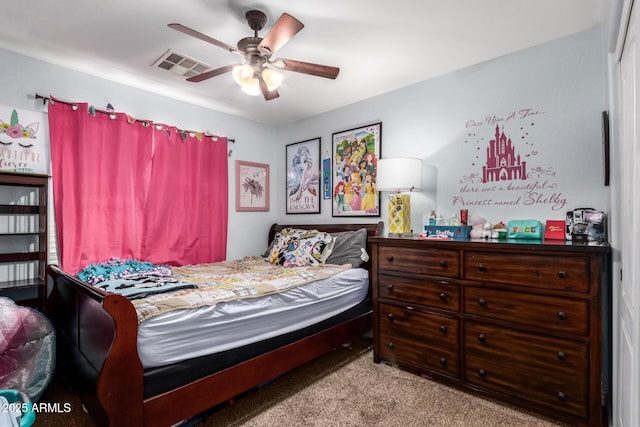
[117, 268]
[143, 286]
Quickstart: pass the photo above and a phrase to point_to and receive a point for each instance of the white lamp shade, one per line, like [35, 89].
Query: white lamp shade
[243, 74]
[399, 174]
[252, 88]
[272, 78]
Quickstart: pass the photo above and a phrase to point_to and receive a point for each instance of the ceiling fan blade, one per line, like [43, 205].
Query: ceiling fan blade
[204, 37]
[282, 31]
[268, 94]
[325, 71]
[208, 74]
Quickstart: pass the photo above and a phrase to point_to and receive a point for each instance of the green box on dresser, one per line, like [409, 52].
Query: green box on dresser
[522, 321]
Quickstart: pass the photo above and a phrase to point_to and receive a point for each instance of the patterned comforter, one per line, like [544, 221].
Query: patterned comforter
[250, 277]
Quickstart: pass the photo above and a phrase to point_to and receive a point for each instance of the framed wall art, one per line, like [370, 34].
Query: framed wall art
[355, 159]
[252, 186]
[606, 147]
[303, 177]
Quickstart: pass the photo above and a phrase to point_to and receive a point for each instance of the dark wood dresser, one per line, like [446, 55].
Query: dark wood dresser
[516, 320]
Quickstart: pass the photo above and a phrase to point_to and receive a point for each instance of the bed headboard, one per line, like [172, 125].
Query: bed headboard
[372, 230]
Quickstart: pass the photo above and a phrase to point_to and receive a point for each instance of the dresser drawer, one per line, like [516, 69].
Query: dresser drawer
[543, 370]
[440, 294]
[567, 273]
[543, 311]
[424, 340]
[435, 262]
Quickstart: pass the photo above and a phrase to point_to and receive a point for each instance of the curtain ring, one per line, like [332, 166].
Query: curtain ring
[74, 107]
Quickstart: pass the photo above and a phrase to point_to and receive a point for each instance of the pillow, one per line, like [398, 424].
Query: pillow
[349, 248]
[293, 247]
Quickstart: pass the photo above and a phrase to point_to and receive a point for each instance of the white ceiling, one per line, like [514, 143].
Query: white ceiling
[379, 45]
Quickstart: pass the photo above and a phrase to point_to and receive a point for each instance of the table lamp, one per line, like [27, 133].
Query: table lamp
[401, 174]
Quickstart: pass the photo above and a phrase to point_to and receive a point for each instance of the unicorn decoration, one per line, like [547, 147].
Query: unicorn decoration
[18, 160]
[15, 130]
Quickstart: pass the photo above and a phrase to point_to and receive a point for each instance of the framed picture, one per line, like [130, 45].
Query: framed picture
[355, 159]
[303, 177]
[326, 178]
[252, 186]
[605, 147]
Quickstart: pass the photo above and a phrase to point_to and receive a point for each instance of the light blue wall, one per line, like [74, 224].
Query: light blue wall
[449, 120]
[564, 79]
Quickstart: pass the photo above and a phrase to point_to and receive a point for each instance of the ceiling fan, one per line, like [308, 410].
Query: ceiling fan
[259, 73]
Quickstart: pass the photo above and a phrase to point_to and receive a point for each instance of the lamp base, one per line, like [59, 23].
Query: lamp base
[399, 207]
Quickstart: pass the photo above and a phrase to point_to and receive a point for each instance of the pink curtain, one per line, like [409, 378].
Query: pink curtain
[187, 222]
[110, 197]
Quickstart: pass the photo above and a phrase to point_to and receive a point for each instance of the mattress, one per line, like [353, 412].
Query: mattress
[185, 334]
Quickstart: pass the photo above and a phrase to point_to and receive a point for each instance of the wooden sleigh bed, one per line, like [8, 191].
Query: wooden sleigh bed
[98, 338]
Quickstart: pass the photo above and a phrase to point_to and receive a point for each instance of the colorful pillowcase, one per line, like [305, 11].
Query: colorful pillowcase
[294, 247]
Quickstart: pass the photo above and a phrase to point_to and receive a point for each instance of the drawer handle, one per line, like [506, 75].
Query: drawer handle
[443, 361]
[482, 302]
[390, 317]
[482, 337]
[390, 258]
[482, 267]
[443, 328]
[562, 355]
[562, 397]
[482, 373]
[562, 274]
[562, 315]
[390, 287]
[443, 297]
[390, 345]
[443, 263]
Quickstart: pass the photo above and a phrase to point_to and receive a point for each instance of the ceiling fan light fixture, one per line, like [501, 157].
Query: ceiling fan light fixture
[272, 78]
[258, 73]
[243, 74]
[252, 88]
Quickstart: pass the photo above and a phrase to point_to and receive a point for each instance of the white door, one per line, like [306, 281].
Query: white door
[628, 289]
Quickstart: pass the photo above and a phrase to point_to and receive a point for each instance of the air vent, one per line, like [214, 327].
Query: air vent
[180, 64]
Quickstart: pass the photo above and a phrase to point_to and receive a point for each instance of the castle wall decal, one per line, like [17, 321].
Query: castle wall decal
[505, 170]
[503, 163]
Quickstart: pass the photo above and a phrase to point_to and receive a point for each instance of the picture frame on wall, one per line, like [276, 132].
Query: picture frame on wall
[355, 159]
[606, 147]
[303, 177]
[252, 186]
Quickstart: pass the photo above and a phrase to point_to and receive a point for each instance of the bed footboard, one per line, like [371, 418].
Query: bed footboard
[97, 334]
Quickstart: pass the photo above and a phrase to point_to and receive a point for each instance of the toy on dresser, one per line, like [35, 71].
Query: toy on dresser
[487, 230]
[477, 227]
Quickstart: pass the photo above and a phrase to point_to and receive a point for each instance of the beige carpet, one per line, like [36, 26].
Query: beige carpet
[345, 388]
[342, 388]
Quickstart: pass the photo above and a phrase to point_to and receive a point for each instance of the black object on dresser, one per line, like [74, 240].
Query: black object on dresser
[520, 321]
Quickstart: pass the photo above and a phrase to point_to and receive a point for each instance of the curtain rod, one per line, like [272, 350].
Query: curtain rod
[47, 98]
